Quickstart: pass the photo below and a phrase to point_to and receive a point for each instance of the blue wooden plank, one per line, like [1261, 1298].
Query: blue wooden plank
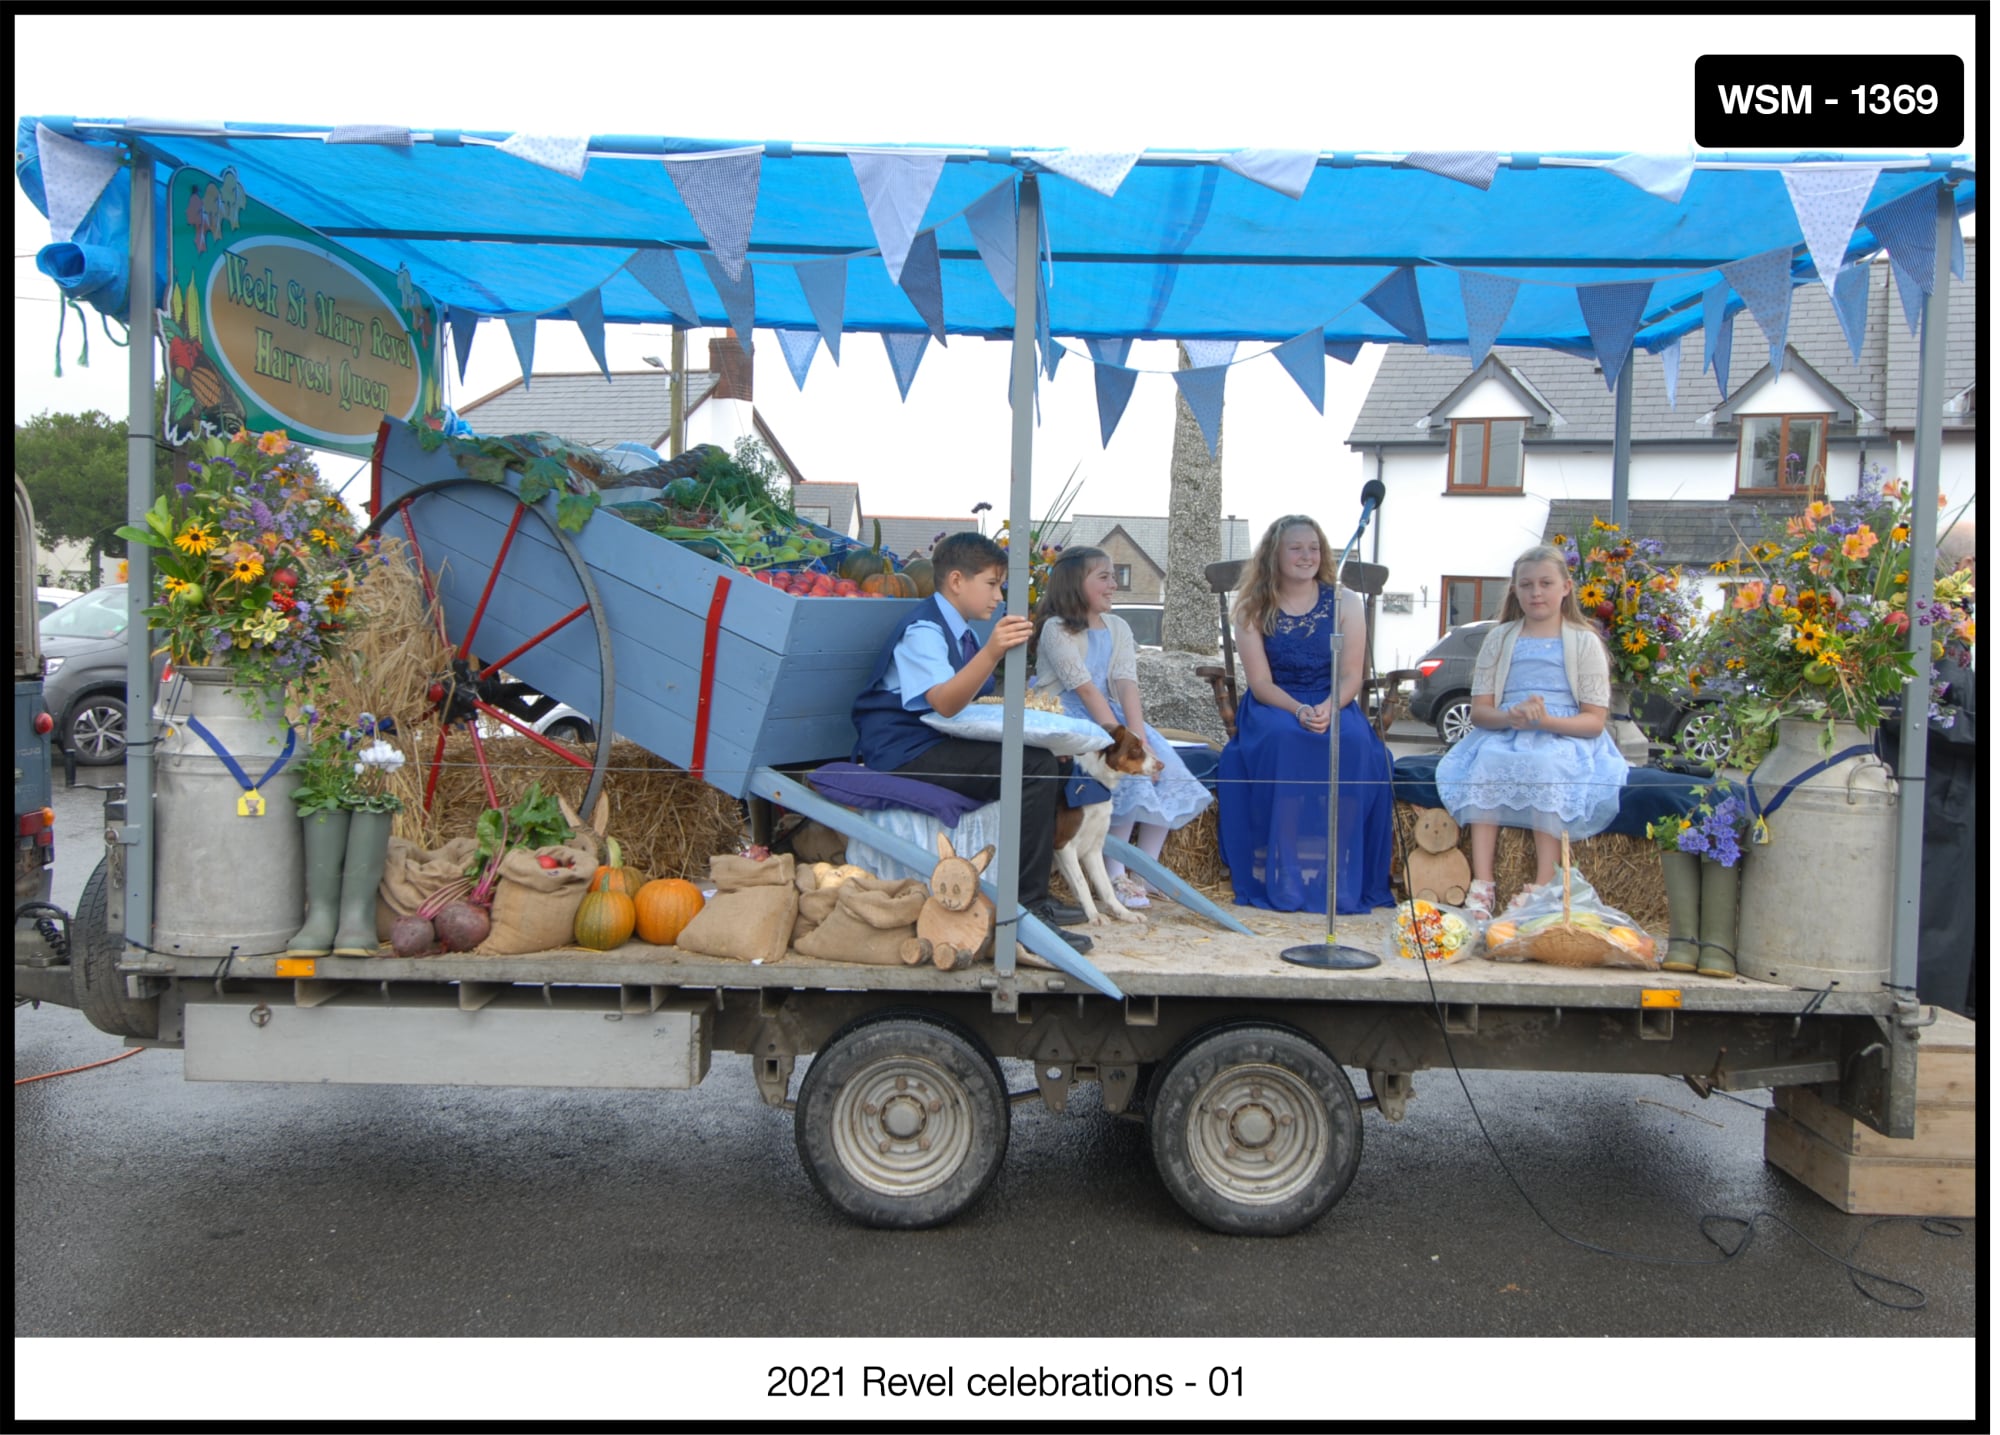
[1154, 871]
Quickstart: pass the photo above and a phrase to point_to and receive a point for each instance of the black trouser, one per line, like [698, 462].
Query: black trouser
[972, 769]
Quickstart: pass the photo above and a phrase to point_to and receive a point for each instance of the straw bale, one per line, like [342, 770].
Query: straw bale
[1624, 870]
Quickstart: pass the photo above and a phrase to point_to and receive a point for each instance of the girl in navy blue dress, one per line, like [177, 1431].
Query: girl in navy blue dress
[1273, 772]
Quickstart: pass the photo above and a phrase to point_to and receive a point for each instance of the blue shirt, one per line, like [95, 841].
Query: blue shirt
[923, 660]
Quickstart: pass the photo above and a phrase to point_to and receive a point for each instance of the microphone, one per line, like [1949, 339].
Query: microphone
[1372, 494]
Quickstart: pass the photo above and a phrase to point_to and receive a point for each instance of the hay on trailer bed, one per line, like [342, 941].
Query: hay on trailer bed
[1624, 870]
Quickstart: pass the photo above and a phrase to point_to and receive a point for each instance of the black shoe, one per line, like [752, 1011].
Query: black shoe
[1058, 914]
[1076, 939]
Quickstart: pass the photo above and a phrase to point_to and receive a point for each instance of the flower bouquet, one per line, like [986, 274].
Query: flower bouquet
[1645, 607]
[347, 768]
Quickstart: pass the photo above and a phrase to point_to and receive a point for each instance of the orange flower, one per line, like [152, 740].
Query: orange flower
[1859, 542]
[1777, 597]
[273, 443]
[1892, 488]
[1817, 510]
[1749, 596]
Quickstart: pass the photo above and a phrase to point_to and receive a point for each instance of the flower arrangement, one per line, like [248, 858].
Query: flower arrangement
[347, 768]
[1715, 829]
[1647, 610]
[1429, 932]
[1042, 554]
[255, 560]
[1818, 626]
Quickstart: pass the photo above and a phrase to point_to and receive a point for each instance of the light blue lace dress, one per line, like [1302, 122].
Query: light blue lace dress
[1521, 777]
[1178, 797]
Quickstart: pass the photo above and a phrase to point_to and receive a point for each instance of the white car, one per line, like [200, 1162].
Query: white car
[47, 600]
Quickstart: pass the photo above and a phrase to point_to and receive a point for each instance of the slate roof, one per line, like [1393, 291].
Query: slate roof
[1694, 532]
[1412, 381]
[1150, 534]
[904, 534]
[583, 408]
[841, 500]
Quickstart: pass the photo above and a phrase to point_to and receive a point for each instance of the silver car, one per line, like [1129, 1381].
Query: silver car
[83, 646]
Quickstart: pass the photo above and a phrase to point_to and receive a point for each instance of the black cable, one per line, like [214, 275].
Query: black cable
[1855, 1274]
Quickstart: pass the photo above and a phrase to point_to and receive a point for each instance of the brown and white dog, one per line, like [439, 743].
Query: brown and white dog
[1080, 831]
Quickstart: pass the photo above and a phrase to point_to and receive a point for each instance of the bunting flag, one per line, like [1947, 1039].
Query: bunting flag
[587, 312]
[1343, 350]
[1397, 302]
[1907, 227]
[1957, 249]
[799, 345]
[1828, 203]
[1714, 305]
[1765, 282]
[1611, 313]
[1670, 365]
[922, 284]
[1101, 170]
[74, 174]
[825, 283]
[1114, 391]
[1055, 356]
[1850, 304]
[1725, 342]
[896, 188]
[991, 220]
[1664, 176]
[720, 192]
[1488, 300]
[1285, 170]
[660, 271]
[1109, 351]
[1912, 295]
[1304, 359]
[1044, 340]
[565, 154]
[1207, 353]
[906, 351]
[1467, 166]
[521, 329]
[1202, 388]
[463, 322]
[398, 135]
[739, 297]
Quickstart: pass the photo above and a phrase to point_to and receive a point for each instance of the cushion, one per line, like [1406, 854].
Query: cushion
[858, 787]
[1058, 732]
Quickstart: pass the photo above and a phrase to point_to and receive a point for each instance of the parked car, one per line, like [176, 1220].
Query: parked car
[84, 647]
[47, 600]
[565, 724]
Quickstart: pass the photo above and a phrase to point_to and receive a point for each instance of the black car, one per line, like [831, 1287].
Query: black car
[1442, 697]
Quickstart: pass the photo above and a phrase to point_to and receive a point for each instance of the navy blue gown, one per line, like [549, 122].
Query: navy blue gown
[1273, 785]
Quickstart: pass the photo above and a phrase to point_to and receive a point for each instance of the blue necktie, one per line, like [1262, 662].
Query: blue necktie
[968, 645]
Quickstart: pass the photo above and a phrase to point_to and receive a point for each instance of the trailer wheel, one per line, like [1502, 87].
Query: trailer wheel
[902, 1121]
[93, 966]
[1255, 1130]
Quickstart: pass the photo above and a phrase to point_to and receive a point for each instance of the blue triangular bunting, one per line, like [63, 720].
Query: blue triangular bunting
[1850, 305]
[660, 271]
[799, 345]
[991, 220]
[720, 192]
[1473, 167]
[922, 284]
[463, 325]
[1670, 365]
[1907, 227]
[1725, 342]
[825, 284]
[1828, 204]
[1207, 353]
[1044, 340]
[1304, 359]
[1911, 293]
[1202, 388]
[896, 189]
[1396, 300]
[521, 329]
[1109, 351]
[586, 310]
[1765, 282]
[1611, 314]
[1957, 249]
[1344, 350]
[739, 297]
[1114, 391]
[906, 351]
[1285, 170]
[1714, 304]
[1488, 299]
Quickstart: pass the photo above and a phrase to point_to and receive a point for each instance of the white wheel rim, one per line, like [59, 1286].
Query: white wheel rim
[1257, 1134]
[1706, 736]
[98, 730]
[1457, 722]
[902, 1126]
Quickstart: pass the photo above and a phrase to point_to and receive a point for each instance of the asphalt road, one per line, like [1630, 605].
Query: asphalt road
[145, 1206]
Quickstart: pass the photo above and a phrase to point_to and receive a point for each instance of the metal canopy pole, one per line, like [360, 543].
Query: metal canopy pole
[1929, 425]
[139, 440]
[1621, 442]
[1020, 523]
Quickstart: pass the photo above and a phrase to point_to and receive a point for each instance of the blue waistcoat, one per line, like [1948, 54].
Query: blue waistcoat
[888, 735]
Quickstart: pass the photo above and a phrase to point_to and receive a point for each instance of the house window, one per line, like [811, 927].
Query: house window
[1782, 453]
[1486, 455]
[815, 513]
[1122, 572]
[1470, 600]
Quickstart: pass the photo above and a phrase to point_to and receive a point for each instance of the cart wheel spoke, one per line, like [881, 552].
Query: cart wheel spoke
[522, 728]
[492, 577]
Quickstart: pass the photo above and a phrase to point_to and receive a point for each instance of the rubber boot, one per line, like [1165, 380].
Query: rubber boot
[326, 851]
[1718, 921]
[367, 852]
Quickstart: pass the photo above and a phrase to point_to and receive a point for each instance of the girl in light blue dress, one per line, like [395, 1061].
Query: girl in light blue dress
[1539, 756]
[1085, 653]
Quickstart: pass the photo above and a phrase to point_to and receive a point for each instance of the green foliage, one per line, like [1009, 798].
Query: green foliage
[74, 468]
[536, 821]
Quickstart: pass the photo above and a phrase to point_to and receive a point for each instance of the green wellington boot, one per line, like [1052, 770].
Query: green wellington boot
[367, 852]
[326, 851]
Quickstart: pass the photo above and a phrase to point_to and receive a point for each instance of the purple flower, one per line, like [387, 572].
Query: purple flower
[183, 489]
[1693, 840]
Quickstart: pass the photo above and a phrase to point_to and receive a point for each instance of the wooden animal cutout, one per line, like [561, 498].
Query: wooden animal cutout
[1438, 870]
[955, 927]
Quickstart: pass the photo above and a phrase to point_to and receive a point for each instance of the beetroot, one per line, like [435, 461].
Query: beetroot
[413, 936]
[463, 926]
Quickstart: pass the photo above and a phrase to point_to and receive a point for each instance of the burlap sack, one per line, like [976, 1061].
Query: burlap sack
[814, 907]
[869, 923]
[753, 924]
[534, 907]
[411, 876]
[735, 874]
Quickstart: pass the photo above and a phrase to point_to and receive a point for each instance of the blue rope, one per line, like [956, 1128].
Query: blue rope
[236, 768]
[1761, 832]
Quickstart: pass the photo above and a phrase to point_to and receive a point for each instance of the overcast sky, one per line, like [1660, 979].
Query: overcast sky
[1457, 82]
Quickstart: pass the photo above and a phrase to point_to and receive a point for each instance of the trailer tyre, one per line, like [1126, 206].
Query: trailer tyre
[1255, 1130]
[902, 1121]
[93, 963]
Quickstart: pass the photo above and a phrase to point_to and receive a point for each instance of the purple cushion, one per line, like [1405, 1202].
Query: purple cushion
[855, 786]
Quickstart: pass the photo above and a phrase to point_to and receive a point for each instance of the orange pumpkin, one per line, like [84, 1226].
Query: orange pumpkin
[665, 907]
[604, 920]
[890, 585]
[614, 875]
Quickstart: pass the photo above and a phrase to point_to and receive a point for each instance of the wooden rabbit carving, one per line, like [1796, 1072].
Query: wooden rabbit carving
[955, 927]
[1438, 870]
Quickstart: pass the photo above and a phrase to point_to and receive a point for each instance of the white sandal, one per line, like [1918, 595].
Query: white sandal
[1131, 891]
[1479, 900]
[1530, 893]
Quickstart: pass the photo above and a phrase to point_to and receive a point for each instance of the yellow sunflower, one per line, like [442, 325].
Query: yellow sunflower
[246, 568]
[195, 539]
[1636, 642]
[1590, 595]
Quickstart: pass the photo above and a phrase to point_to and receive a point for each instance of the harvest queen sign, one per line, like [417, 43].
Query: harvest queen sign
[268, 325]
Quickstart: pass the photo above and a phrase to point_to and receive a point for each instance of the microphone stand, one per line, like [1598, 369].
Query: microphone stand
[1331, 954]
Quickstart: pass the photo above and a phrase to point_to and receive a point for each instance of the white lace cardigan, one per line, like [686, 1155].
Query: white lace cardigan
[1060, 655]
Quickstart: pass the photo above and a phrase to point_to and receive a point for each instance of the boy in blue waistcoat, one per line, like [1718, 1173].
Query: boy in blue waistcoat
[934, 662]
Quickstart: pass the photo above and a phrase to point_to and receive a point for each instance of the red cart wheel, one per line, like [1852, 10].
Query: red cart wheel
[473, 689]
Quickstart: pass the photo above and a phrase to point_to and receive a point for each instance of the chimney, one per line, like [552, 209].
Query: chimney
[732, 368]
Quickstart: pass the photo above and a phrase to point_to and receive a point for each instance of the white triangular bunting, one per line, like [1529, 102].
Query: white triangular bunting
[1101, 170]
[991, 219]
[1611, 314]
[1670, 365]
[825, 284]
[1488, 300]
[1765, 282]
[1202, 388]
[1207, 353]
[565, 154]
[587, 311]
[906, 351]
[73, 175]
[463, 325]
[1850, 305]
[1473, 167]
[394, 135]
[1114, 391]
[1285, 170]
[1828, 203]
[799, 345]
[739, 297]
[896, 189]
[660, 271]
[1304, 359]
[1664, 176]
[521, 329]
[720, 192]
